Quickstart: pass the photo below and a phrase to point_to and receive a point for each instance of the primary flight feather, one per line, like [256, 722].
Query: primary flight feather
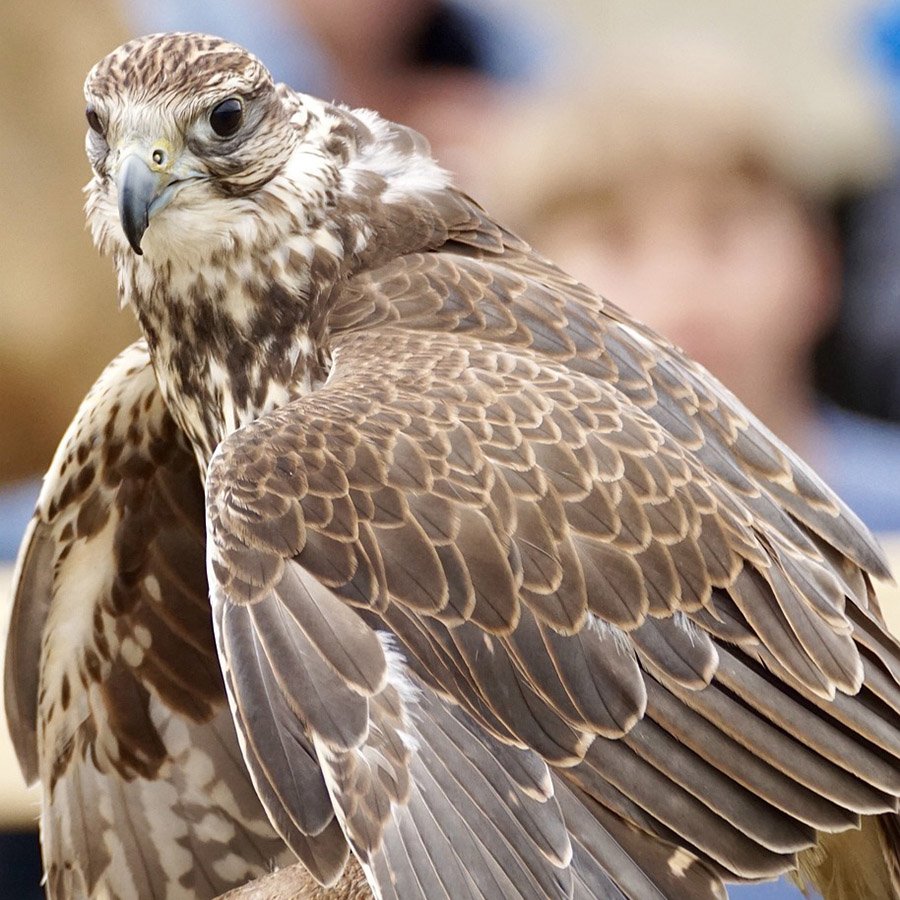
[392, 539]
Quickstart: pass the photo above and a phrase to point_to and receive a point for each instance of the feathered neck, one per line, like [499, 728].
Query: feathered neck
[236, 315]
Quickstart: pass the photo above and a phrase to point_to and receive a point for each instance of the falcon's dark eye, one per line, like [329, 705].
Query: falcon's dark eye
[93, 120]
[226, 118]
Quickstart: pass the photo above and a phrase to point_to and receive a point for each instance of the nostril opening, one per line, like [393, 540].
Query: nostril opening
[158, 156]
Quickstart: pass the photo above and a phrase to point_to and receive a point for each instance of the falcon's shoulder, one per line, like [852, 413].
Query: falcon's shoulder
[113, 692]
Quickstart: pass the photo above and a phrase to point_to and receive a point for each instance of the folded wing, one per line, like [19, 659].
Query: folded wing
[113, 690]
[581, 582]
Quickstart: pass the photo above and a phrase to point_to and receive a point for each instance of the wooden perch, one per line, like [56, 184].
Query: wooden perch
[295, 883]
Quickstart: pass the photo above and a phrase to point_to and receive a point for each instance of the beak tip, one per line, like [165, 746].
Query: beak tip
[138, 187]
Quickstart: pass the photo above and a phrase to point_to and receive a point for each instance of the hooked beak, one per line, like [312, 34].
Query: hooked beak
[140, 189]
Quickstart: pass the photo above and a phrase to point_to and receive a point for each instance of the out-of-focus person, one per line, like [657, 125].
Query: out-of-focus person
[683, 189]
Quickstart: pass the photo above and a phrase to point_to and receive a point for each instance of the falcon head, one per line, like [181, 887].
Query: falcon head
[182, 128]
[200, 158]
[233, 206]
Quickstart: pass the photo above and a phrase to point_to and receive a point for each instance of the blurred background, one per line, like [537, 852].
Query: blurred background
[727, 172]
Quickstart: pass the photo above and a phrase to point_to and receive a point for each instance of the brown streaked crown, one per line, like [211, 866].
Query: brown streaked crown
[181, 62]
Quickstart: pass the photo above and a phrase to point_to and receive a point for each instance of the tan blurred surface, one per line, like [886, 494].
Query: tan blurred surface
[59, 323]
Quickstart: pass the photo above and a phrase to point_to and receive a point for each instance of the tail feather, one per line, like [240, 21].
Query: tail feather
[862, 862]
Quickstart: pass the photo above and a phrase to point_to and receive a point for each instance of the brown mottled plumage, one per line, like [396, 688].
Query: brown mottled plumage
[124, 719]
[509, 597]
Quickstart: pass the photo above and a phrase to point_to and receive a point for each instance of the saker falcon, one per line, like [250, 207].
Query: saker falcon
[392, 539]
